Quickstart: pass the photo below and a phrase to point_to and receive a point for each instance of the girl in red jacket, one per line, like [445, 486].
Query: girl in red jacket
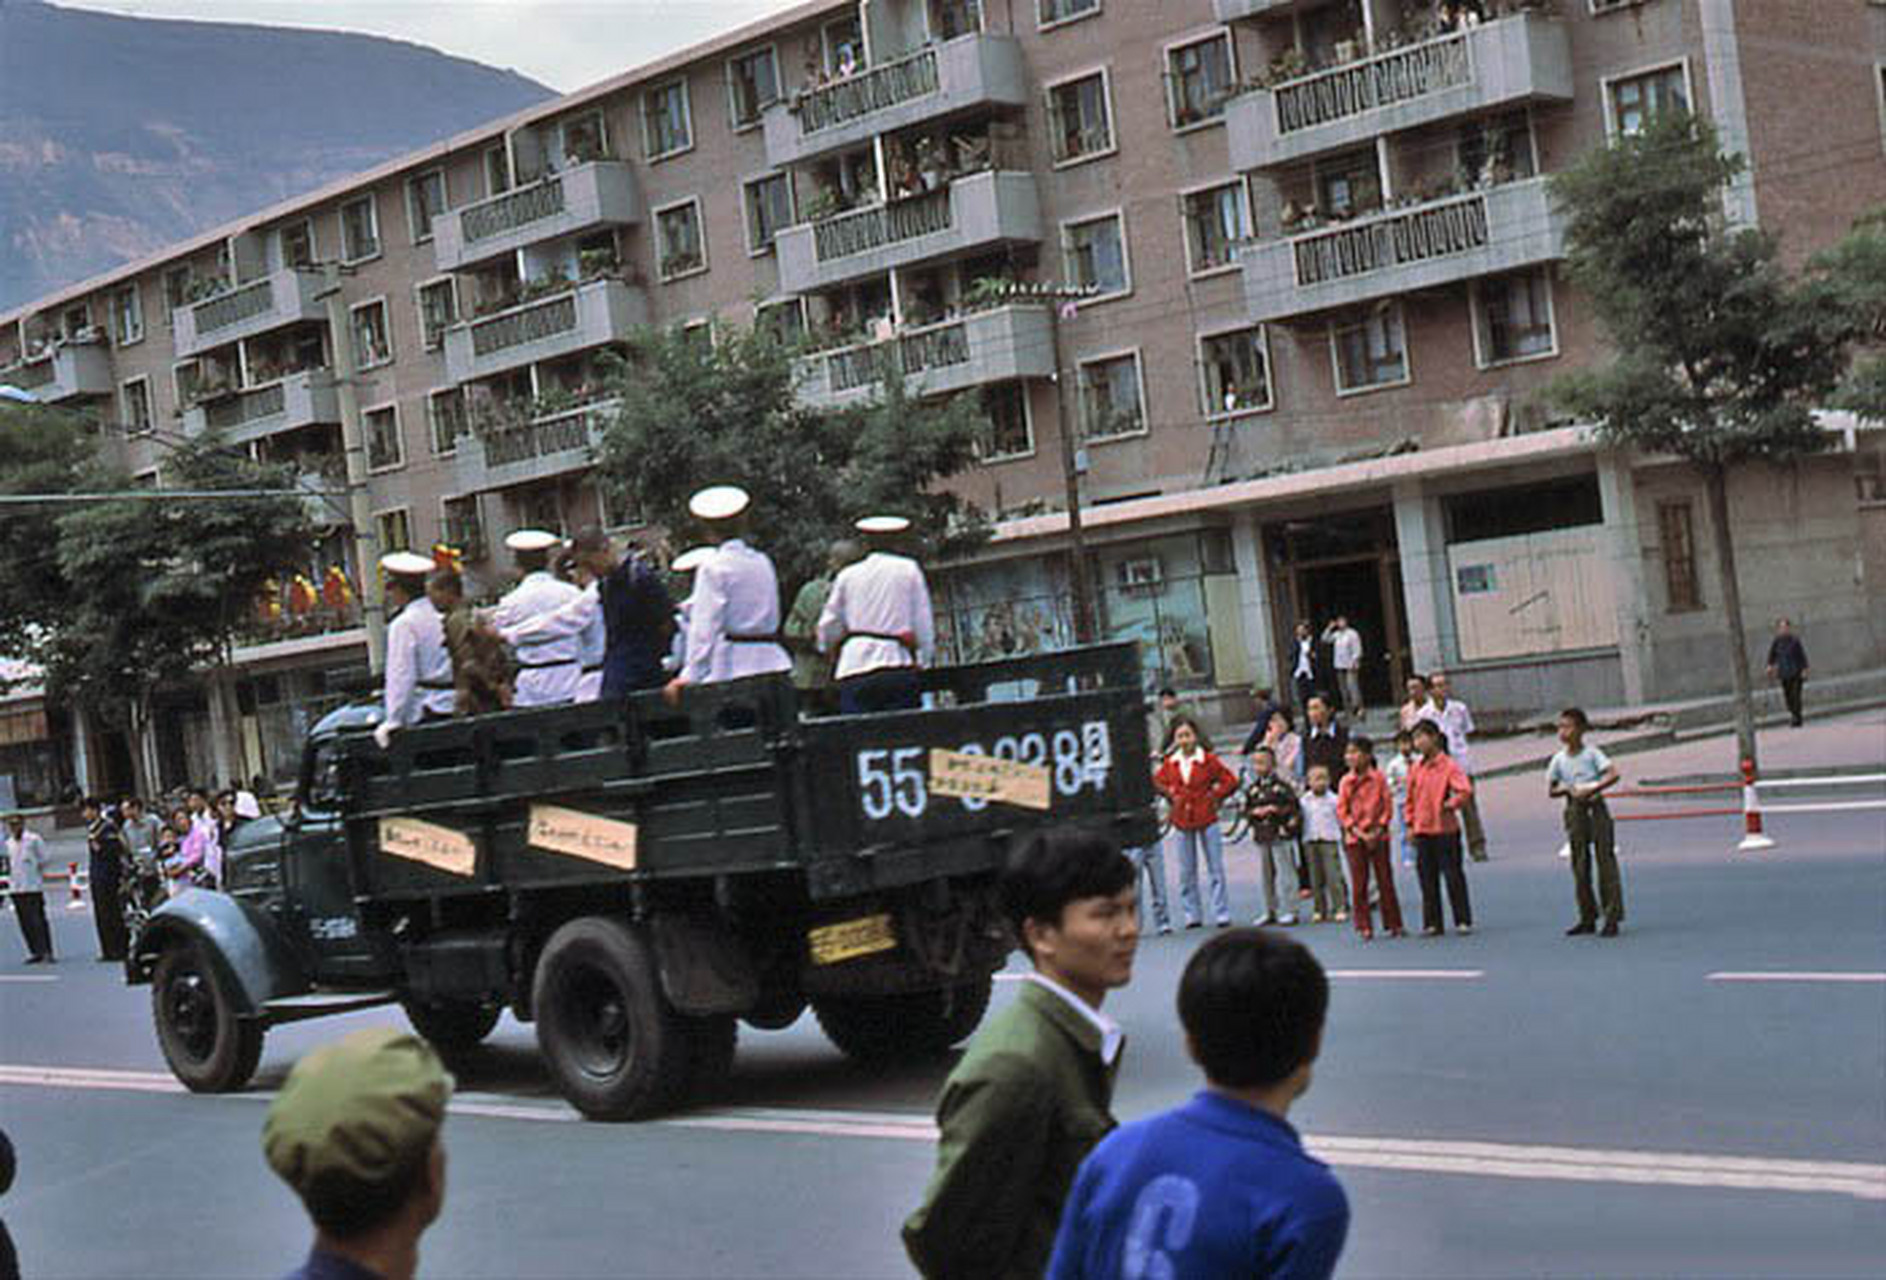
[1197, 782]
[1437, 788]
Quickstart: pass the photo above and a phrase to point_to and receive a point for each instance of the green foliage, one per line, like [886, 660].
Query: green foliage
[41, 451]
[1855, 269]
[1722, 357]
[694, 413]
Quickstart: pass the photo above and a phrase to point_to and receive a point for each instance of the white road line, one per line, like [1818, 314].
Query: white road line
[1409, 975]
[29, 977]
[1425, 1155]
[1803, 976]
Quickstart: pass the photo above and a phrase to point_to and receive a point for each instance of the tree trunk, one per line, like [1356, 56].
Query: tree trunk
[225, 726]
[143, 749]
[1716, 485]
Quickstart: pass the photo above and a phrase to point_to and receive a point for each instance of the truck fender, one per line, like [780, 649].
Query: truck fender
[242, 941]
[705, 969]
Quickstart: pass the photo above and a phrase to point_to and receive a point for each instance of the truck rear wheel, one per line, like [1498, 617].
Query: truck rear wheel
[617, 1049]
[916, 1024]
[208, 1044]
[452, 1026]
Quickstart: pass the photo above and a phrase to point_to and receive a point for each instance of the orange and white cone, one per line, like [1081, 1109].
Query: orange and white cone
[1753, 839]
[77, 882]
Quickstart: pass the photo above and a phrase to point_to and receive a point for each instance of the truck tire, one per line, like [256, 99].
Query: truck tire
[617, 1049]
[452, 1026]
[918, 1024]
[711, 1043]
[210, 1047]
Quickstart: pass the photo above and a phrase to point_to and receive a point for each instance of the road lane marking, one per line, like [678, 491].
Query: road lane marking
[1410, 975]
[1529, 1161]
[29, 977]
[1802, 976]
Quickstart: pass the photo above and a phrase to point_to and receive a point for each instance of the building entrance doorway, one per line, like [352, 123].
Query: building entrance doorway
[1342, 565]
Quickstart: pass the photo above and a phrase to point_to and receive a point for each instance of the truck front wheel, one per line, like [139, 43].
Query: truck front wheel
[209, 1046]
[617, 1049]
[917, 1024]
[452, 1026]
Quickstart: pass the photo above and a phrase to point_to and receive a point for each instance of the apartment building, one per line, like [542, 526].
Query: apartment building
[1319, 296]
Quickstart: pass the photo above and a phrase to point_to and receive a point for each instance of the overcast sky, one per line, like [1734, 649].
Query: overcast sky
[566, 44]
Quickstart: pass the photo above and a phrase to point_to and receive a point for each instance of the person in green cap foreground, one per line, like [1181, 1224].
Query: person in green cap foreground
[355, 1133]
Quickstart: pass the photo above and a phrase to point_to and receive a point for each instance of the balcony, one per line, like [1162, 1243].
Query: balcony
[535, 450]
[590, 315]
[298, 400]
[983, 211]
[599, 194]
[1424, 246]
[970, 351]
[941, 80]
[1503, 63]
[1232, 10]
[66, 370]
[280, 298]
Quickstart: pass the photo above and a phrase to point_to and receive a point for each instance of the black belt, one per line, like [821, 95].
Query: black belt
[590, 671]
[767, 637]
[545, 666]
[436, 684]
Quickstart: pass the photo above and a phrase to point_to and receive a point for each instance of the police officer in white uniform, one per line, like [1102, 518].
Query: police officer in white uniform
[418, 667]
[580, 618]
[548, 666]
[878, 620]
[733, 620]
[685, 563]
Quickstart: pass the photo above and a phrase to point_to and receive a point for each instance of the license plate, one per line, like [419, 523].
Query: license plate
[852, 938]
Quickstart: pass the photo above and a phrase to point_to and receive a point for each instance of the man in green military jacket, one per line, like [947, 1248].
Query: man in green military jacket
[1031, 1096]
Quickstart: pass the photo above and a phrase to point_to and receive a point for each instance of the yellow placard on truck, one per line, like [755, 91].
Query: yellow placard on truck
[583, 835]
[979, 777]
[851, 938]
[440, 848]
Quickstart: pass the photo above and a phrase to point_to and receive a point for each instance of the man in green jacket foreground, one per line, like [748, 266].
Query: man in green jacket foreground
[1031, 1096]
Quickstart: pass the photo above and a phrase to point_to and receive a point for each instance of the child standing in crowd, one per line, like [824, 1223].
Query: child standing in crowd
[1322, 846]
[1581, 774]
[1196, 782]
[1436, 791]
[1396, 771]
[1271, 802]
[1363, 804]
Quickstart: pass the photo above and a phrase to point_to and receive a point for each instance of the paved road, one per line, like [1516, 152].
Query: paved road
[1515, 1103]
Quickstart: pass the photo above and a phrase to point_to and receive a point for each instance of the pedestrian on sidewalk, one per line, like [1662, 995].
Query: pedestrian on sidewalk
[107, 868]
[1271, 803]
[26, 878]
[1322, 848]
[1456, 722]
[1396, 772]
[1437, 790]
[1787, 662]
[1286, 747]
[1032, 1094]
[1309, 673]
[1345, 654]
[1581, 773]
[1415, 709]
[1220, 1186]
[1196, 782]
[1363, 804]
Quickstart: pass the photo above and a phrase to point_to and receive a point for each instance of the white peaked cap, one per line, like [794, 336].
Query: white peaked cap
[691, 559]
[531, 540]
[882, 524]
[406, 564]
[718, 502]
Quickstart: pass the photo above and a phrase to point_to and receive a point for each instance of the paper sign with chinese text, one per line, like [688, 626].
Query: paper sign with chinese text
[977, 777]
[583, 835]
[438, 847]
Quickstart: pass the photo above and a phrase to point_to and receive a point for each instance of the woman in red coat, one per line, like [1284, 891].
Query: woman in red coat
[1197, 782]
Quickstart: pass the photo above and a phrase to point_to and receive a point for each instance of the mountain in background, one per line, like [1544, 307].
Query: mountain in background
[121, 135]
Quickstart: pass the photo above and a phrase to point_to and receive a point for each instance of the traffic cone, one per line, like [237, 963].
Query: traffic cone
[1565, 850]
[1753, 840]
[76, 883]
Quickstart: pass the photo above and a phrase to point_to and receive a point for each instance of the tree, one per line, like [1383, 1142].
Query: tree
[693, 413]
[1722, 358]
[1856, 270]
[41, 451]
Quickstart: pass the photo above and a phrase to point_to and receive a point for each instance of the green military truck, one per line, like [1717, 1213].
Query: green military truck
[637, 878]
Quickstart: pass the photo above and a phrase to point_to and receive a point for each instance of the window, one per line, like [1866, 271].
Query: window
[445, 419]
[497, 171]
[783, 321]
[1199, 79]
[438, 310]
[1111, 404]
[297, 239]
[1010, 432]
[1370, 351]
[952, 18]
[1215, 221]
[176, 288]
[698, 334]
[136, 405]
[127, 315]
[1080, 124]
[666, 125]
[583, 138]
[1497, 149]
[460, 527]
[385, 449]
[373, 343]
[1095, 253]
[395, 531]
[769, 207]
[1633, 100]
[1050, 12]
[1683, 592]
[752, 86]
[1515, 317]
[425, 200]
[1236, 368]
[1350, 185]
[844, 46]
[678, 240]
[1613, 6]
[360, 230]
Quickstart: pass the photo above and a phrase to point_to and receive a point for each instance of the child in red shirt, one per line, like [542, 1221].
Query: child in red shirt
[1363, 806]
[1437, 788]
[1197, 782]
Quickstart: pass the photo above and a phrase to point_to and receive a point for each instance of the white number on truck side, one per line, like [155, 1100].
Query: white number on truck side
[891, 780]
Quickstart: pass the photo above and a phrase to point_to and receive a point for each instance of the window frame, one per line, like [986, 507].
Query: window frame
[764, 305]
[1053, 24]
[1482, 336]
[1607, 86]
[413, 184]
[187, 275]
[1170, 81]
[757, 250]
[734, 122]
[445, 523]
[1193, 271]
[1105, 72]
[700, 225]
[150, 406]
[281, 242]
[380, 517]
[1082, 364]
[419, 306]
[119, 336]
[370, 199]
[386, 321]
[1204, 365]
[366, 438]
[649, 154]
[1028, 426]
[1407, 354]
[432, 424]
[1118, 215]
[1693, 602]
[503, 149]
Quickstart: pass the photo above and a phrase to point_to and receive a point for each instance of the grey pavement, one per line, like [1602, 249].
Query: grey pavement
[1609, 1046]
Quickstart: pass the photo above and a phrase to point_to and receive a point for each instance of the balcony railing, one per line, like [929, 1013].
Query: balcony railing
[979, 211]
[531, 323]
[68, 369]
[1380, 81]
[295, 400]
[251, 406]
[873, 90]
[867, 229]
[931, 348]
[521, 452]
[244, 303]
[982, 347]
[512, 210]
[33, 374]
[275, 300]
[1435, 231]
[535, 439]
[584, 197]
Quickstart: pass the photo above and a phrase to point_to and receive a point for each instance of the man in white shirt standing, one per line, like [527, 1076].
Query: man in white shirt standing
[418, 665]
[549, 666]
[26, 872]
[1345, 644]
[878, 619]
[1456, 723]
[1306, 675]
[733, 614]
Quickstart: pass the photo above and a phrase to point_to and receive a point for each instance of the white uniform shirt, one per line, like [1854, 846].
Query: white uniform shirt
[736, 593]
[548, 667]
[581, 618]
[418, 668]
[1346, 649]
[884, 594]
[1457, 723]
[1306, 658]
[26, 863]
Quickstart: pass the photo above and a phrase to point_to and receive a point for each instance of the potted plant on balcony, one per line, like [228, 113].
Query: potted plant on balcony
[679, 262]
[593, 263]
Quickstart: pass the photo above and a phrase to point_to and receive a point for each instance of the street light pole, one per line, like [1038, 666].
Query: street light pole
[354, 450]
[1061, 304]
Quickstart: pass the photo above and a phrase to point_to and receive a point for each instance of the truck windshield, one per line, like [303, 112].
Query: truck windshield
[323, 790]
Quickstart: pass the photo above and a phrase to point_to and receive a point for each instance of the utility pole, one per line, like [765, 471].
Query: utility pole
[354, 449]
[1061, 304]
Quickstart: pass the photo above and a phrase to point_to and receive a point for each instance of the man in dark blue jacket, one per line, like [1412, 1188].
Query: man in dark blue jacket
[637, 614]
[1787, 662]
